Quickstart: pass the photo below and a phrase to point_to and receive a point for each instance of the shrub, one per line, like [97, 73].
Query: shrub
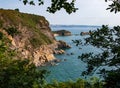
[12, 31]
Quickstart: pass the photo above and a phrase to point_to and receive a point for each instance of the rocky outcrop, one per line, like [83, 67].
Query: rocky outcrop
[61, 44]
[60, 51]
[42, 55]
[85, 33]
[28, 34]
[62, 33]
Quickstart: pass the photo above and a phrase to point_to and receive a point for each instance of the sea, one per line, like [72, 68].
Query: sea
[70, 67]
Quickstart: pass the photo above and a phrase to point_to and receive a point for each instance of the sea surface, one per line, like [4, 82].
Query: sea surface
[70, 67]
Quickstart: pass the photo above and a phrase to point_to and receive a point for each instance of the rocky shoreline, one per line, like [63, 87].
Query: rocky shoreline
[46, 53]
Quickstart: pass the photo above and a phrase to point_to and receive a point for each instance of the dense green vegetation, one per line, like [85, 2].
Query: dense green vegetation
[12, 31]
[80, 83]
[14, 17]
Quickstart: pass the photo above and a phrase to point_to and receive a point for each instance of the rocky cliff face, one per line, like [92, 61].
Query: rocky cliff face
[29, 34]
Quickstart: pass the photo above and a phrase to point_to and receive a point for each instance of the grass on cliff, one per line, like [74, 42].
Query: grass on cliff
[15, 17]
[34, 24]
[39, 39]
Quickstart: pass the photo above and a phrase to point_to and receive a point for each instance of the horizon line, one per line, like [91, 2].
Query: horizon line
[73, 25]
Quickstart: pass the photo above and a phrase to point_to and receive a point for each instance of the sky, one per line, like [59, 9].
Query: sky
[91, 12]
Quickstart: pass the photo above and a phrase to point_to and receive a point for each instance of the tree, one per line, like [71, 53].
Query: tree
[69, 7]
[108, 40]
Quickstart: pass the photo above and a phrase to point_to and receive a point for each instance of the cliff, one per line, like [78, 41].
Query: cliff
[30, 35]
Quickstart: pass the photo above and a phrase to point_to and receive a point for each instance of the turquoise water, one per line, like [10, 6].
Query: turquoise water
[72, 67]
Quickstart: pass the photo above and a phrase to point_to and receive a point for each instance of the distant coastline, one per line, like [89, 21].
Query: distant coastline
[62, 25]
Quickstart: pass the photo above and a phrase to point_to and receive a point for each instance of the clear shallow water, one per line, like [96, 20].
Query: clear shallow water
[72, 67]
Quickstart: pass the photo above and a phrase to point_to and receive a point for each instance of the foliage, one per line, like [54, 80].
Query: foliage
[56, 5]
[115, 6]
[80, 83]
[113, 79]
[69, 7]
[108, 40]
[17, 9]
[12, 31]
[17, 73]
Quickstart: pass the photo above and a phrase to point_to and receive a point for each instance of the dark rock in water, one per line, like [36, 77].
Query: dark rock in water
[80, 48]
[54, 62]
[72, 53]
[76, 34]
[57, 60]
[65, 59]
[62, 33]
[68, 54]
[85, 33]
[62, 44]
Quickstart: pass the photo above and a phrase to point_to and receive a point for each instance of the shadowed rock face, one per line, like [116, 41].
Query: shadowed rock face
[62, 33]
